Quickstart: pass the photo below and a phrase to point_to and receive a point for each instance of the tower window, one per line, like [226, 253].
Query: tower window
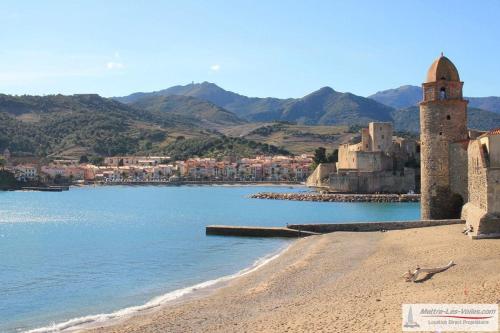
[442, 93]
[440, 133]
[448, 117]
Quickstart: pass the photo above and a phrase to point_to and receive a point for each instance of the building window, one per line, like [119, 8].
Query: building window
[440, 133]
[442, 94]
[448, 117]
[382, 136]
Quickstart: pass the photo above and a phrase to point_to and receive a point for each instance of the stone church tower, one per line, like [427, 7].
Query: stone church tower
[443, 121]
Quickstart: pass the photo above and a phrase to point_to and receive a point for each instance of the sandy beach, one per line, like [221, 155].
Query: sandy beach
[340, 282]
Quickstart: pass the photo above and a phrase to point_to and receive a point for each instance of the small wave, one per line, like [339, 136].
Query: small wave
[82, 322]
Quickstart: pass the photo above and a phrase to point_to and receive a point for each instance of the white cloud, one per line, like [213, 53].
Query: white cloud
[114, 65]
[215, 67]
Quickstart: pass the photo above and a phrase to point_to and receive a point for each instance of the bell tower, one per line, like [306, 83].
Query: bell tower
[443, 120]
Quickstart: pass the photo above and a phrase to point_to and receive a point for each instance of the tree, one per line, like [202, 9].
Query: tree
[84, 159]
[2, 163]
[320, 155]
[96, 160]
[333, 157]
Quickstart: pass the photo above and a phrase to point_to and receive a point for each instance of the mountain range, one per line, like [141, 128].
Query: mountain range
[407, 96]
[326, 106]
[322, 107]
[204, 119]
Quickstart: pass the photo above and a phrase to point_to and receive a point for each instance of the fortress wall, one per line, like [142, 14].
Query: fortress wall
[493, 191]
[477, 174]
[373, 182]
[459, 170]
[319, 177]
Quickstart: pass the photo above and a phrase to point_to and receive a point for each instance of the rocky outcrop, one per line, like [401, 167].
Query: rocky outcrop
[338, 197]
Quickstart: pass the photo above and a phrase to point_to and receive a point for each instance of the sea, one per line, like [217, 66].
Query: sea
[92, 254]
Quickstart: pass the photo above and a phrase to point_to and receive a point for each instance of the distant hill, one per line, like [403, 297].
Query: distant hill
[241, 105]
[408, 119]
[207, 113]
[77, 125]
[323, 107]
[399, 98]
[486, 103]
[406, 96]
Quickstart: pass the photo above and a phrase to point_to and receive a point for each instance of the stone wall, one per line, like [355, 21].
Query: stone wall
[482, 212]
[459, 169]
[381, 136]
[373, 182]
[477, 184]
[319, 178]
[441, 123]
[372, 226]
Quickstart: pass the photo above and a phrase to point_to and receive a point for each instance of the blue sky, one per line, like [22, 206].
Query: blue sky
[256, 48]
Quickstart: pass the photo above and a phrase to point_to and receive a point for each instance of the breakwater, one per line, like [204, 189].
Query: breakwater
[247, 231]
[305, 230]
[338, 197]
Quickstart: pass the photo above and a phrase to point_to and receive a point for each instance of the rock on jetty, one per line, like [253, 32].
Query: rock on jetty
[338, 197]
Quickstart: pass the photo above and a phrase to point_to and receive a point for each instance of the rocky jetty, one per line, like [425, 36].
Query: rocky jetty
[338, 197]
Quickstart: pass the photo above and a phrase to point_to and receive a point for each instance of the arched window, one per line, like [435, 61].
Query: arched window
[442, 93]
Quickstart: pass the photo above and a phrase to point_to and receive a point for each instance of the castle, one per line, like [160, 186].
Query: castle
[376, 162]
[460, 168]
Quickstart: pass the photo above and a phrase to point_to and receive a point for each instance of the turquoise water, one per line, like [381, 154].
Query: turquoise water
[97, 250]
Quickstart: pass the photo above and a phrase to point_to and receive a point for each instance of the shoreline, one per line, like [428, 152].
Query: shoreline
[201, 183]
[171, 298]
[334, 282]
[166, 184]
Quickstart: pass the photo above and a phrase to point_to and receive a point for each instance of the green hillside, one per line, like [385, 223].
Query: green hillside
[207, 113]
[322, 107]
[72, 126]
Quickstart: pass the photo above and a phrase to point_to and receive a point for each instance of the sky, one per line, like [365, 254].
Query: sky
[255, 48]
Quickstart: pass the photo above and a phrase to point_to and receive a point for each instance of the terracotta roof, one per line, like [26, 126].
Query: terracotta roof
[441, 68]
[495, 131]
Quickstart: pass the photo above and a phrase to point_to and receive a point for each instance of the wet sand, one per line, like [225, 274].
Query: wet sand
[340, 282]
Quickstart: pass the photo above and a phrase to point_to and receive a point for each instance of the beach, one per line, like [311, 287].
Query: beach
[339, 282]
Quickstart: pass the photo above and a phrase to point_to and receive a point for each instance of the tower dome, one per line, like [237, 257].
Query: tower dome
[442, 69]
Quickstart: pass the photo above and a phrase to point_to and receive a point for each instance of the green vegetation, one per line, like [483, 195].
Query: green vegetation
[210, 114]
[298, 139]
[322, 107]
[7, 180]
[86, 125]
[320, 156]
[220, 147]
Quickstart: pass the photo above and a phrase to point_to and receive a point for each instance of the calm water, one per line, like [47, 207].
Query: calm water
[97, 250]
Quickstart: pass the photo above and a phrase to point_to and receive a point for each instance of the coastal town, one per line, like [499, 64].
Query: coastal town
[258, 167]
[162, 169]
